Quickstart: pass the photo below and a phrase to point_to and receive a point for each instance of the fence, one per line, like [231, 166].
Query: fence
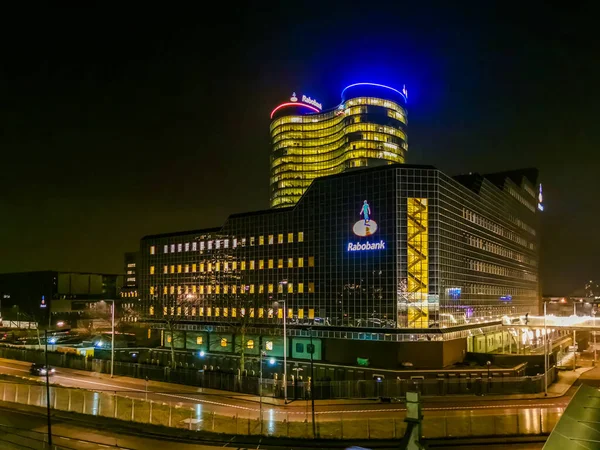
[355, 389]
[363, 424]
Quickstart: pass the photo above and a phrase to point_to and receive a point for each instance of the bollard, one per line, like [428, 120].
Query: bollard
[116, 405]
[29, 394]
[69, 405]
[16, 393]
[133, 410]
[150, 415]
[170, 413]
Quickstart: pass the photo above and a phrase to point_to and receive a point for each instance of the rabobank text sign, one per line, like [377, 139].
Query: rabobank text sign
[365, 227]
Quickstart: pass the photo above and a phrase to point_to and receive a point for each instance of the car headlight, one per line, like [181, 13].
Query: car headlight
[42, 371]
[52, 370]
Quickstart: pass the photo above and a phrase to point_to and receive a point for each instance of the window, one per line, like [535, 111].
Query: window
[290, 263]
[223, 342]
[290, 288]
[290, 238]
[234, 265]
[172, 268]
[269, 345]
[168, 338]
[300, 236]
[151, 290]
[243, 265]
[209, 289]
[235, 243]
[201, 289]
[194, 267]
[261, 263]
[311, 313]
[187, 289]
[270, 264]
[252, 289]
[151, 270]
[208, 311]
[217, 243]
[300, 314]
[261, 313]
[199, 340]
[201, 311]
[225, 312]
[270, 239]
[166, 249]
[178, 268]
[218, 267]
[172, 290]
[209, 267]
[252, 265]
[270, 288]
[252, 241]
[311, 261]
[261, 240]
[194, 246]
[280, 238]
[234, 289]
[179, 290]
[300, 262]
[250, 344]
[201, 267]
[202, 246]
[225, 289]
[300, 288]
[280, 263]
[261, 289]
[152, 249]
[164, 310]
[226, 243]
[186, 247]
[179, 310]
[165, 290]
[225, 266]
[217, 289]
[299, 348]
[217, 312]
[233, 312]
[186, 268]
[194, 289]
[311, 288]
[280, 288]
[179, 247]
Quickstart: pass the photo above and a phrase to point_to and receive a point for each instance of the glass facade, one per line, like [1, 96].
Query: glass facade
[368, 128]
[401, 248]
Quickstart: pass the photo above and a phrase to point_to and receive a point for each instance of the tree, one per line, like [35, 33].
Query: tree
[245, 307]
[176, 314]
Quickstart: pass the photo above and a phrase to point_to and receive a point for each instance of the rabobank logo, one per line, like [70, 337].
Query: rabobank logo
[359, 247]
[365, 227]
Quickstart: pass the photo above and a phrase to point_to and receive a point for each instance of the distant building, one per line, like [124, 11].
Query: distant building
[31, 296]
[129, 291]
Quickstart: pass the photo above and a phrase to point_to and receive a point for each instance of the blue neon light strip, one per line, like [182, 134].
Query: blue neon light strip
[375, 84]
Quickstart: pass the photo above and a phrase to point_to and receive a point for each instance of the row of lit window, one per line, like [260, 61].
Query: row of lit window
[233, 289]
[322, 142]
[521, 224]
[226, 266]
[495, 228]
[498, 250]
[521, 199]
[130, 294]
[486, 289]
[494, 269]
[315, 148]
[209, 311]
[224, 243]
[382, 151]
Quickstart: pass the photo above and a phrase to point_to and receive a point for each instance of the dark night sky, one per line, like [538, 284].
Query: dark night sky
[116, 124]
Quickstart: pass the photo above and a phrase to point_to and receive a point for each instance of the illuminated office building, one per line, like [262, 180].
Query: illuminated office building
[384, 257]
[366, 129]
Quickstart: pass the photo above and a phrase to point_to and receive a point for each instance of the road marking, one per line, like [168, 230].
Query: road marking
[12, 368]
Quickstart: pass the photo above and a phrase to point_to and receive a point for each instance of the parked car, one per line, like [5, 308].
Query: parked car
[41, 369]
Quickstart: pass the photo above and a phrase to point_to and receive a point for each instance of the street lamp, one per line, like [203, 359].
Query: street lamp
[545, 353]
[284, 283]
[112, 339]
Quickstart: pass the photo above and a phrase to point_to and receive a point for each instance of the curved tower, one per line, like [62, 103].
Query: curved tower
[367, 128]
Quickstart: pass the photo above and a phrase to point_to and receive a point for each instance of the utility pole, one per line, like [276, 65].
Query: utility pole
[312, 383]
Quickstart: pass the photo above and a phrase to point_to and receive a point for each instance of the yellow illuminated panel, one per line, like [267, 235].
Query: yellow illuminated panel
[418, 262]
[300, 314]
[151, 270]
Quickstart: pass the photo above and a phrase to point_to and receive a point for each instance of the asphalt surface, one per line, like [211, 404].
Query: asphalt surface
[247, 406]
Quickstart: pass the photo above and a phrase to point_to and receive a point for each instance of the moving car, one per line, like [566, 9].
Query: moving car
[41, 369]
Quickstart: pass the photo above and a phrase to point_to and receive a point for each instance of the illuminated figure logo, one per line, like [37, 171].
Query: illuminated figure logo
[293, 98]
[366, 226]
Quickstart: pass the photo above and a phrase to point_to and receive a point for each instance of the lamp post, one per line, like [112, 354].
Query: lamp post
[112, 339]
[284, 286]
[545, 353]
[260, 382]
